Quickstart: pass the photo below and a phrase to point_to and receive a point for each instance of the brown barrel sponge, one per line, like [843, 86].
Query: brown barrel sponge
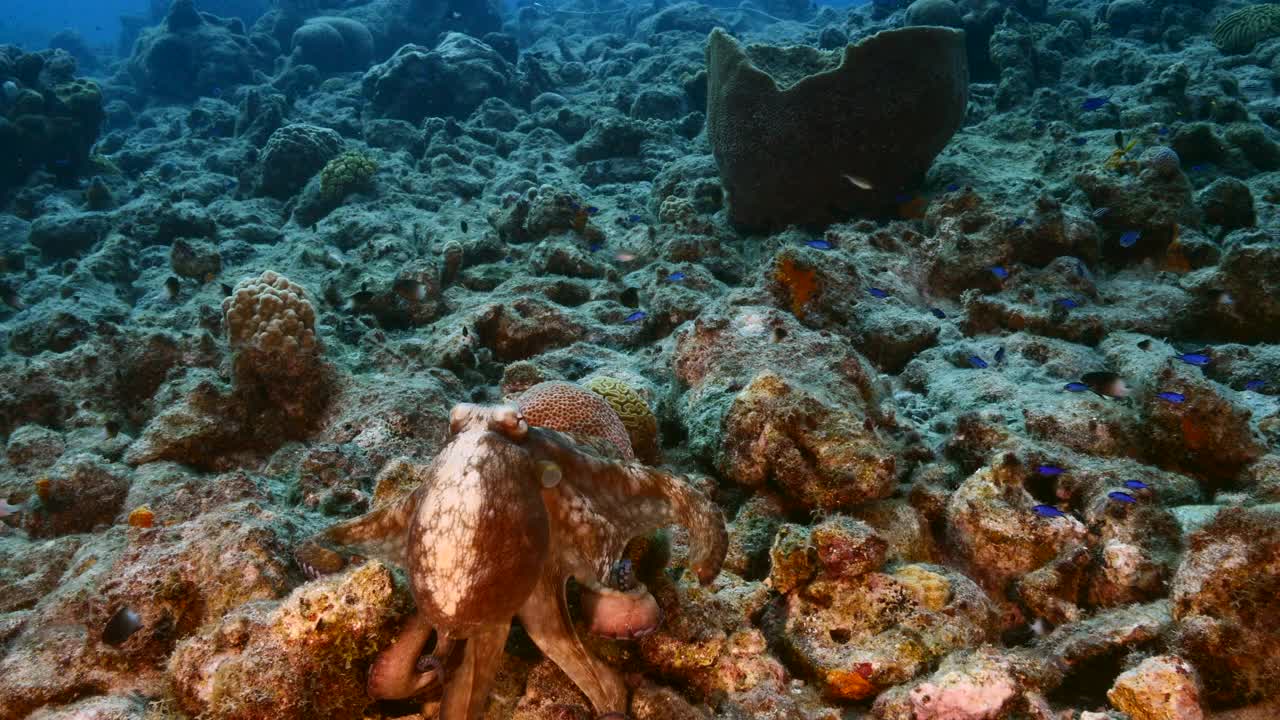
[787, 125]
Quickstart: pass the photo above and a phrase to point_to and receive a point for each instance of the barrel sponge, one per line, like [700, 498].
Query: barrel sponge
[786, 125]
[333, 44]
[270, 318]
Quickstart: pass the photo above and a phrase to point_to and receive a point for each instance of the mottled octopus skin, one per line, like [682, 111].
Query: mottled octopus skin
[506, 514]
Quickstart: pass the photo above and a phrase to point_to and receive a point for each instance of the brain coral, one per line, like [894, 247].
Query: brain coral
[637, 418]
[333, 44]
[577, 411]
[802, 136]
[1238, 32]
[270, 318]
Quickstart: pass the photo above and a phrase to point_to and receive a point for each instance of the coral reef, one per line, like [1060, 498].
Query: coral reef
[897, 360]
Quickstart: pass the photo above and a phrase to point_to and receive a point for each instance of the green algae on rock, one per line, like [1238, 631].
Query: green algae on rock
[787, 125]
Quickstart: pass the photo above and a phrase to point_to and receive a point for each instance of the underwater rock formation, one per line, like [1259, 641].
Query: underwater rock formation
[800, 137]
[193, 53]
[49, 118]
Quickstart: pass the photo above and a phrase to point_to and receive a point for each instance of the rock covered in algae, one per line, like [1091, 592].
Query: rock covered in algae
[311, 649]
[1164, 687]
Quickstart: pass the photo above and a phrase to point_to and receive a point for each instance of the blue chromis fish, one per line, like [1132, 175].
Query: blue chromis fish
[1255, 385]
[634, 218]
[943, 316]
[953, 187]
[1049, 470]
[1094, 103]
[1066, 303]
[876, 292]
[1075, 387]
[1135, 484]
[1197, 359]
[977, 362]
[1020, 222]
[1122, 497]
[999, 272]
[592, 209]
[676, 276]
[1078, 141]
[818, 244]
[593, 247]
[1170, 396]
[1129, 238]
[636, 316]
[1048, 511]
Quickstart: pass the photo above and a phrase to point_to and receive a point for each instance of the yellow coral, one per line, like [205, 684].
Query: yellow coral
[637, 418]
[141, 517]
[345, 174]
[931, 589]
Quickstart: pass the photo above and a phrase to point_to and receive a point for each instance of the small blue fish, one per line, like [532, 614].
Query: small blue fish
[1000, 355]
[1100, 213]
[902, 198]
[1049, 470]
[573, 204]
[953, 187]
[1162, 130]
[1020, 222]
[1094, 103]
[1122, 497]
[1075, 387]
[593, 247]
[818, 244]
[633, 218]
[217, 92]
[1197, 359]
[1129, 238]
[676, 276]
[1173, 397]
[1066, 303]
[1135, 484]
[1048, 511]
[62, 162]
[1255, 385]
[592, 209]
[977, 362]
[636, 316]
[1081, 270]
[878, 293]
[943, 316]
[1078, 141]
[1199, 167]
[999, 272]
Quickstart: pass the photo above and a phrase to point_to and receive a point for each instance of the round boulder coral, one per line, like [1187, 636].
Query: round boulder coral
[576, 411]
[293, 154]
[333, 44]
[271, 323]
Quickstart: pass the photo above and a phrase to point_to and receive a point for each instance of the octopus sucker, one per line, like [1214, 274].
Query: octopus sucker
[506, 514]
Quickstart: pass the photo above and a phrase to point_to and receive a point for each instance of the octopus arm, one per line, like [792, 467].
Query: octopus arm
[545, 617]
[381, 534]
[603, 504]
[467, 690]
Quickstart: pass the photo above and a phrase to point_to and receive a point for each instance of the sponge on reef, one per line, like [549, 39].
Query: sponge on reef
[787, 125]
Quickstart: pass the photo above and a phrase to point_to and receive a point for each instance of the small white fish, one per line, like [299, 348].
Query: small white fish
[6, 509]
[857, 181]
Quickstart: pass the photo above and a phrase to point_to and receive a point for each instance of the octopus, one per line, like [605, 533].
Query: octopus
[505, 514]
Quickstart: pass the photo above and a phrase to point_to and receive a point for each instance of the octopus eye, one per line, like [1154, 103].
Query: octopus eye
[459, 416]
[510, 422]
